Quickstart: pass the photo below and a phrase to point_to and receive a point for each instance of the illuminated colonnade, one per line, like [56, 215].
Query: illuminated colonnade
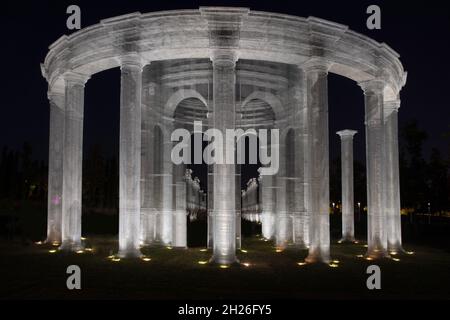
[227, 68]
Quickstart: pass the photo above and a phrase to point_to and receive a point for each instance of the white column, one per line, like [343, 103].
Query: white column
[374, 120]
[267, 202]
[55, 167]
[300, 123]
[282, 220]
[238, 205]
[180, 225]
[130, 157]
[149, 199]
[317, 103]
[224, 203]
[392, 188]
[167, 189]
[348, 212]
[73, 161]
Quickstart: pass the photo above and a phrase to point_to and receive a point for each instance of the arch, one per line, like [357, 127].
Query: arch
[180, 95]
[270, 99]
[188, 111]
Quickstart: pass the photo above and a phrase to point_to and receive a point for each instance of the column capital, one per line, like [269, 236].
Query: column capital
[57, 98]
[346, 133]
[316, 64]
[132, 60]
[76, 77]
[224, 57]
[372, 86]
[391, 106]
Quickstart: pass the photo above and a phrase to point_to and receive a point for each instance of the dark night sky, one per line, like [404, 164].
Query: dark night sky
[419, 31]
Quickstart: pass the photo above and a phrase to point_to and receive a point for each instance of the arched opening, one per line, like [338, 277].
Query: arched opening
[346, 111]
[255, 114]
[100, 173]
[193, 175]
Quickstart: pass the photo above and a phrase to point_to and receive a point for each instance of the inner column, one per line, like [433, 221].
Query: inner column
[224, 204]
[348, 225]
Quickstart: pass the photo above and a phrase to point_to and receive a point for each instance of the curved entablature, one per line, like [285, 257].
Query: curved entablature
[184, 34]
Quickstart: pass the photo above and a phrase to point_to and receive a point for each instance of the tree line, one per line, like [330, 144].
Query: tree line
[424, 183]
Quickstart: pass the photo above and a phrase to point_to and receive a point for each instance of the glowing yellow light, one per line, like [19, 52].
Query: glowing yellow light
[55, 243]
[224, 266]
[265, 240]
[83, 238]
[335, 261]
[365, 246]
[409, 252]
[169, 248]
[396, 259]
[369, 258]
[146, 259]
[360, 256]
[89, 249]
[278, 250]
[111, 257]
[52, 251]
[115, 259]
[246, 264]
[38, 243]
[202, 262]
[203, 250]
[340, 241]
[355, 242]
[301, 263]
[333, 265]
[244, 251]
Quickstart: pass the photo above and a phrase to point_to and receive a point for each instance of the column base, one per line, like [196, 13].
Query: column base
[224, 260]
[53, 241]
[129, 253]
[347, 239]
[396, 248]
[375, 254]
[71, 246]
[318, 256]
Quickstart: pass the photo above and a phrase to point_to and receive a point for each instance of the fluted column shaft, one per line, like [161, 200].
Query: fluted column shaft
[180, 223]
[348, 225]
[317, 103]
[55, 167]
[267, 203]
[374, 120]
[167, 190]
[130, 158]
[224, 203]
[149, 155]
[73, 161]
[299, 210]
[392, 188]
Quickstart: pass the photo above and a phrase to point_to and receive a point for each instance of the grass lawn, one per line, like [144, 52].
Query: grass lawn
[33, 272]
